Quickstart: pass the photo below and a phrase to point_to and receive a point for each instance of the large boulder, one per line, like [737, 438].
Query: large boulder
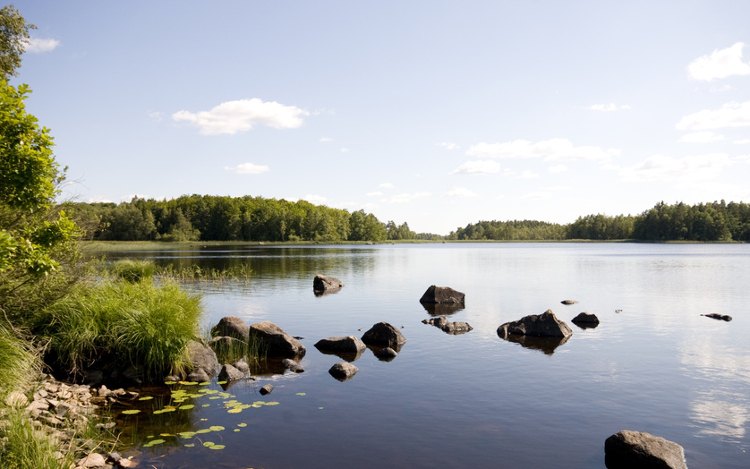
[442, 296]
[201, 357]
[230, 373]
[343, 371]
[385, 335]
[272, 340]
[342, 346]
[324, 284]
[231, 326]
[536, 325]
[628, 449]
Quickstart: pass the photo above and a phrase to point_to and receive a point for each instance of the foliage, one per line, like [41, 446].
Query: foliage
[121, 324]
[527, 230]
[133, 271]
[24, 447]
[601, 227]
[14, 35]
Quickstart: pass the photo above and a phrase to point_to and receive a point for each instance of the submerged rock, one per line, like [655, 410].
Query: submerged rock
[274, 341]
[343, 371]
[631, 449]
[231, 326]
[385, 354]
[324, 284]
[585, 320]
[536, 325]
[449, 327]
[721, 317]
[442, 296]
[266, 389]
[383, 334]
[292, 365]
[349, 348]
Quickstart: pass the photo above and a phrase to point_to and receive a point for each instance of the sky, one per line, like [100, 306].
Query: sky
[437, 113]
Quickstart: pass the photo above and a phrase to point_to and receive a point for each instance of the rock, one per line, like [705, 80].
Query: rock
[348, 344]
[569, 302]
[385, 335]
[343, 371]
[242, 365]
[198, 376]
[323, 284]
[385, 354]
[292, 365]
[721, 317]
[629, 449]
[266, 389]
[274, 341]
[442, 296]
[16, 399]
[448, 327]
[201, 356]
[536, 325]
[585, 320]
[231, 326]
[92, 460]
[126, 463]
[442, 309]
[230, 373]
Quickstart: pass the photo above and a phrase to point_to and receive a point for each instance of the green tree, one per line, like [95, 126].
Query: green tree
[14, 35]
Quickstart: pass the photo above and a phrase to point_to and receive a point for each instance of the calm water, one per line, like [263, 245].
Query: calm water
[475, 400]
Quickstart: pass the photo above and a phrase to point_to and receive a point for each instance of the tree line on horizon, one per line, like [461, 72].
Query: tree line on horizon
[220, 218]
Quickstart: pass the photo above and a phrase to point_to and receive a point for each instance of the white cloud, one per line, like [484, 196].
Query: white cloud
[705, 136]
[526, 174]
[156, 116]
[558, 168]
[448, 146]
[325, 140]
[742, 141]
[609, 107]
[545, 194]
[248, 168]
[344, 150]
[550, 150]
[729, 115]
[478, 167]
[232, 117]
[660, 168]
[407, 197]
[461, 192]
[721, 63]
[315, 199]
[374, 194]
[38, 45]
[386, 185]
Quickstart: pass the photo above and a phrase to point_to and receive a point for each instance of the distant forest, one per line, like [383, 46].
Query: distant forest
[215, 218]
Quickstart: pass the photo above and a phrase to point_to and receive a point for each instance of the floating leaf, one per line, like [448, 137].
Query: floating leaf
[301, 394]
[186, 434]
[216, 447]
[151, 443]
[145, 398]
[204, 383]
[186, 407]
[234, 410]
[221, 382]
[203, 430]
[206, 405]
[272, 403]
[165, 434]
[189, 383]
[189, 445]
[170, 383]
[216, 428]
[236, 430]
[204, 420]
[131, 412]
[208, 444]
[242, 424]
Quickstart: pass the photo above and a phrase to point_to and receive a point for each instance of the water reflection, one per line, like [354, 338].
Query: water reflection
[548, 345]
[442, 309]
[719, 417]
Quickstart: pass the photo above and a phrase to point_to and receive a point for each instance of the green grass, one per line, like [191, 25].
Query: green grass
[18, 361]
[211, 274]
[122, 324]
[22, 447]
[133, 271]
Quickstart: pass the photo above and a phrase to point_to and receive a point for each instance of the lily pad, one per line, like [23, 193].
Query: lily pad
[216, 428]
[242, 425]
[189, 445]
[145, 398]
[151, 443]
[216, 447]
[301, 394]
[186, 407]
[131, 412]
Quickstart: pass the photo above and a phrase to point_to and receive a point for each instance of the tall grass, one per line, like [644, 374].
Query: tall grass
[121, 324]
[24, 447]
[133, 271]
[17, 361]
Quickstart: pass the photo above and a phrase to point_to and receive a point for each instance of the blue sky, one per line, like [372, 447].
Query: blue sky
[438, 113]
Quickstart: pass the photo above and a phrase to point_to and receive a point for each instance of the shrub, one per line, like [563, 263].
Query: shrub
[17, 360]
[133, 271]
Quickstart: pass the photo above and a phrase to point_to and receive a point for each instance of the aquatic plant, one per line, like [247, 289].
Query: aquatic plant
[132, 270]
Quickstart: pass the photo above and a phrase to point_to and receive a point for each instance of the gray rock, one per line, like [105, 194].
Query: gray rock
[385, 354]
[536, 325]
[385, 335]
[231, 326]
[199, 376]
[325, 284]
[242, 366]
[585, 320]
[230, 373]
[348, 344]
[92, 460]
[201, 356]
[721, 317]
[449, 327]
[274, 341]
[630, 449]
[16, 399]
[292, 366]
[343, 371]
[266, 389]
[442, 295]
[569, 302]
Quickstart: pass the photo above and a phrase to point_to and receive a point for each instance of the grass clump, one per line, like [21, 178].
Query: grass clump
[118, 325]
[212, 274]
[24, 447]
[17, 361]
[133, 271]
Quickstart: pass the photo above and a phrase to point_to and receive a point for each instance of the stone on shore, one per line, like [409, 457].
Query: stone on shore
[324, 284]
[442, 295]
[630, 449]
[343, 371]
[385, 335]
[229, 373]
[231, 326]
[201, 357]
[274, 341]
[536, 325]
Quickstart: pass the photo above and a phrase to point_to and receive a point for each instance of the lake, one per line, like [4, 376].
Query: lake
[474, 400]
